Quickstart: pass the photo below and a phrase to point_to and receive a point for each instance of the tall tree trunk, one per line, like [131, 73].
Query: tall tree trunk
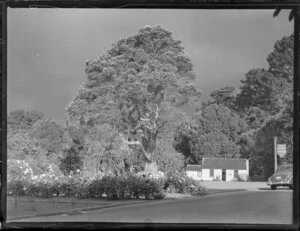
[150, 147]
[151, 167]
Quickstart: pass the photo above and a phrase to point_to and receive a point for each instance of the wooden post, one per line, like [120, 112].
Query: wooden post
[275, 154]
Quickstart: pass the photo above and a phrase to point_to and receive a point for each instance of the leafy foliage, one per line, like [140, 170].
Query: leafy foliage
[266, 103]
[135, 87]
[213, 133]
[22, 119]
[178, 183]
[225, 96]
[49, 135]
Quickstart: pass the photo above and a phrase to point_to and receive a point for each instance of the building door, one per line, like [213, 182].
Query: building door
[223, 174]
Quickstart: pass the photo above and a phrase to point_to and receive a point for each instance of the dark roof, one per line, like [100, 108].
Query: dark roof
[224, 163]
[193, 167]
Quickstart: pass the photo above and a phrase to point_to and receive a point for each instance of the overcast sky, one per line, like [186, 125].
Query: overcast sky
[47, 48]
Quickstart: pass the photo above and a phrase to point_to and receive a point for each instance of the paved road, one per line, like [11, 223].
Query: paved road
[260, 207]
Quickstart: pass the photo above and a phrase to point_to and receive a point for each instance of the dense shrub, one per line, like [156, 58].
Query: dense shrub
[17, 187]
[174, 184]
[82, 185]
[19, 175]
[243, 177]
[184, 184]
[78, 185]
[18, 170]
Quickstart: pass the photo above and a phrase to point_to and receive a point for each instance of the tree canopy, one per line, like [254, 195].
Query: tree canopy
[215, 132]
[137, 87]
[265, 101]
[23, 119]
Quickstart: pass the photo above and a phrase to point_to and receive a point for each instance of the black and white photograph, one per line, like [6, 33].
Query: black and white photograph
[150, 115]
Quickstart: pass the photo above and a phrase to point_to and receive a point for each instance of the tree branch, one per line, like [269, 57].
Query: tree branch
[138, 143]
[266, 121]
[156, 112]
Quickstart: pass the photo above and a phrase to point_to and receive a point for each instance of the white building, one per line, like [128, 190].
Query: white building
[225, 169]
[222, 169]
[194, 171]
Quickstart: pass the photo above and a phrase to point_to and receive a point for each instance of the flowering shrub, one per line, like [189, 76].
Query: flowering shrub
[183, 184]
[19, 174]
[174, 183]
[81, 184]
[131, 187]
[18, 169]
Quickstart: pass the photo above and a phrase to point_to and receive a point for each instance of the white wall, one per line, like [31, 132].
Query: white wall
[243, 174]
[218, 174]
[229, 175]
[193, 174]
[205, 175]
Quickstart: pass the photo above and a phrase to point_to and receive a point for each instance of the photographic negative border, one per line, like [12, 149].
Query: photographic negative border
[3, 103]
[148, 4]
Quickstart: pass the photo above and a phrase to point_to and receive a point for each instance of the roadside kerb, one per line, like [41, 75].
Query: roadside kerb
[89, 208]
[125, 203]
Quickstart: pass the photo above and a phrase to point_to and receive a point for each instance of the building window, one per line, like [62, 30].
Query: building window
[236, 173]
[211, 172]
[199, 174]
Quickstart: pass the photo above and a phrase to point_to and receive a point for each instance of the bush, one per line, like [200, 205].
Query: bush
[95, 188]
[135, 184]
[81, 185]
[174, 184]
[16, 187]
[183, 184]
[243, 177]
[131, 187]
[19, 175]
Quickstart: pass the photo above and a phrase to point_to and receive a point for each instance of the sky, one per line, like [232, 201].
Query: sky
[47, 48]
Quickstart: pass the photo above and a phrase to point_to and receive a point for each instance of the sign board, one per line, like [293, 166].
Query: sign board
[281, 150]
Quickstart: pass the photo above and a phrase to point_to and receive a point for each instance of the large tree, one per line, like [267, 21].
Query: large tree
[49, 135]
[215, 132]
[23, 119]
[265, 101]
[137, 87]
[225, 96]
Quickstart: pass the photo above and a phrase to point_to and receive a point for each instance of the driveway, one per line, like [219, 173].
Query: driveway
[235, 185]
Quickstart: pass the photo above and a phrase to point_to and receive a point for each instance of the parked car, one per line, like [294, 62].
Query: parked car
[282, 177]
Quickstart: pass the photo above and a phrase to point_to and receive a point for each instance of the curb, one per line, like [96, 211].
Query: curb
[99, 207]
[227, 191]
[82, 210]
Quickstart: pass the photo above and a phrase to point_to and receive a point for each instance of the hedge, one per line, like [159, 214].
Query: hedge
[81, 185]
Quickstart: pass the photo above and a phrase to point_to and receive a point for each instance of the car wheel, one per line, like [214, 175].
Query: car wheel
[273, 187]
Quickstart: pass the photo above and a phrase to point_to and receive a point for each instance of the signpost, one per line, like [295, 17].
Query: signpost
[275, 154]
[280, 150]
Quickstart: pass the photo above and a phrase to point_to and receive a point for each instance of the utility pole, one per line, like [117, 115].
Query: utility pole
[275, 153]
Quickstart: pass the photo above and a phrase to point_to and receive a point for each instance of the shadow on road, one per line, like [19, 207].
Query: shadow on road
[278, 189]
